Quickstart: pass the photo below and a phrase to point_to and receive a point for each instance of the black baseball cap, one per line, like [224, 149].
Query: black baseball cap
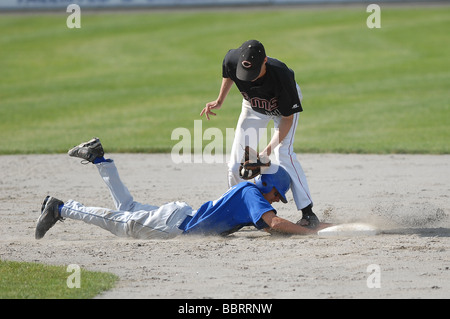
[251, 58]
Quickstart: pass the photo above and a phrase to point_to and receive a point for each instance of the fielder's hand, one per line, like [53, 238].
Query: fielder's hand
[251, 164]
[210, 106]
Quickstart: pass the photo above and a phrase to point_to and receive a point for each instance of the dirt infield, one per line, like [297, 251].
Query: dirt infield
[406, 196]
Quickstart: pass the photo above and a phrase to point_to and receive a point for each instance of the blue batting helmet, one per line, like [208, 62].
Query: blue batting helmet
[280, 180]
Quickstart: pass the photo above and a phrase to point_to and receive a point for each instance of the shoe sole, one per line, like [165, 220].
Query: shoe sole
[91, 144]
[45, 222]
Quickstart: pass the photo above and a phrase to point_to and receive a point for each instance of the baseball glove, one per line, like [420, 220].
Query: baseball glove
[309, 220]
[251, 164]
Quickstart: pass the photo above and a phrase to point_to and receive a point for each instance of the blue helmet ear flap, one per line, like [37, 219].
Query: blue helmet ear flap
[279, 179]
[262, 184]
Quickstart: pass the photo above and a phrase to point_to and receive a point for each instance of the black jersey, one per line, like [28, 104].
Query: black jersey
[273, 94]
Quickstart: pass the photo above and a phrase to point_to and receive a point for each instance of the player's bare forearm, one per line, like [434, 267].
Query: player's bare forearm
[280, 134]
[225, 88]
[283, 226]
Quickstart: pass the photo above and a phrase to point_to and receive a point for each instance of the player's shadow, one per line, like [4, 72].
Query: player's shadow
[423, 232]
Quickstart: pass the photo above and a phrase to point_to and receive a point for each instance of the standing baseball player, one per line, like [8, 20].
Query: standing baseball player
[242, 205]
[270, 93]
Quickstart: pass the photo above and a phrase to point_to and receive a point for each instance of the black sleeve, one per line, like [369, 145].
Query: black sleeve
[225, 69]
[229, 65]
[289, 101]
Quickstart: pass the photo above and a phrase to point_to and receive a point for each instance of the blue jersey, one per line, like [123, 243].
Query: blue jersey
[242, 205]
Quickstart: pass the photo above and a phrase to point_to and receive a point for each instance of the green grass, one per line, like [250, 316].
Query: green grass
[22, 280]
[133, 78]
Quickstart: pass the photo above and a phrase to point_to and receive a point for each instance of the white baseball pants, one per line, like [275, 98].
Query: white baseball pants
[251, 127]
[130, 218]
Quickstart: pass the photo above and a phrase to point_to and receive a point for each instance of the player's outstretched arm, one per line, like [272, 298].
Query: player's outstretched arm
[279, 135]
[284, 226]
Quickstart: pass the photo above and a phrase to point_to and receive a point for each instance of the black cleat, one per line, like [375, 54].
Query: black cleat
[88, 151]
[49, 216]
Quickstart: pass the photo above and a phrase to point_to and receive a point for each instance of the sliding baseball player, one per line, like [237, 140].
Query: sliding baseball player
[244, 204]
